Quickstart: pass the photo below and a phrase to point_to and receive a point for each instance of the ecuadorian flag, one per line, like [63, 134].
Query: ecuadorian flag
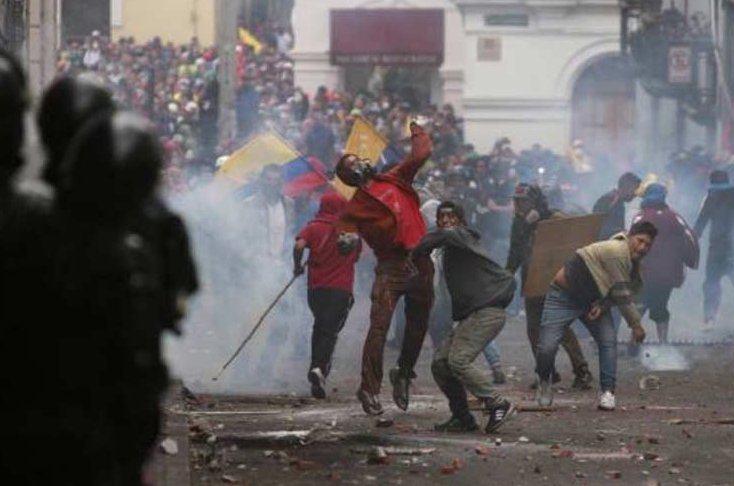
[366, 142]
[300, 174]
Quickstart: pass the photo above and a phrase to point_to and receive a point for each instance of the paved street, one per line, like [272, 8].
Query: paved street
[681, 432]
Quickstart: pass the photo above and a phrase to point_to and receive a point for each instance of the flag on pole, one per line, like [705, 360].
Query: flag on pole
[247, 38]
[300, 174]
[367, 143]
[303, 175]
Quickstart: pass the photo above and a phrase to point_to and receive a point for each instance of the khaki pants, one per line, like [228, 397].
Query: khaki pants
[454, 367]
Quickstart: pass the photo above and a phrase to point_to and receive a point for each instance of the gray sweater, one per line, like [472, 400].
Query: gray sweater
[474, 281]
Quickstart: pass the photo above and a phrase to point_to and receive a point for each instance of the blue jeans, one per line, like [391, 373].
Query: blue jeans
[559, 312]
[492, 355]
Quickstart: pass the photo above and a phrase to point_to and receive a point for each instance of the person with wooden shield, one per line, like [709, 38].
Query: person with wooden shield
[531, 207]
[598, 277]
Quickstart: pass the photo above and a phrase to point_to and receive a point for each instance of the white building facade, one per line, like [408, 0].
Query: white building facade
[510, 66]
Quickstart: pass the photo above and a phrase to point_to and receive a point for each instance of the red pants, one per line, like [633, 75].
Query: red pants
[394, 279]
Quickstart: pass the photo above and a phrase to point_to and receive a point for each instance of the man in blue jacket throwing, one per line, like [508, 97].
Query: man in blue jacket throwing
[480, 289]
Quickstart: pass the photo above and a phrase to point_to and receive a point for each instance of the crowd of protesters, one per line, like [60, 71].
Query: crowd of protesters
[176, 87]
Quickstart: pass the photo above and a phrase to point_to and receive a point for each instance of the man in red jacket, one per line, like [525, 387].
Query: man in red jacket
[675, 248]
[385, 211]
[330, 283]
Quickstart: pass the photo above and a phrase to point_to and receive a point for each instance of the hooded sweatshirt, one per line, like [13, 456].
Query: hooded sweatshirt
[327, 268]
[473, 279]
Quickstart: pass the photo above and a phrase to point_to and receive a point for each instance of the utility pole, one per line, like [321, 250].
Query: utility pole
[42, 42]
[227, 12]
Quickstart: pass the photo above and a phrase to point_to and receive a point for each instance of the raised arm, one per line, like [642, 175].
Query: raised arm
[420, 150]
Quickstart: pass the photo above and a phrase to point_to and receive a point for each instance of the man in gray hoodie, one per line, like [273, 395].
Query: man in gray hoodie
[480, 290]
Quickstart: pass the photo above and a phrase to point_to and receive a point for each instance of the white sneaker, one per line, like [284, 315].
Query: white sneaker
[544, 394]
[607, 401]
[318, 383]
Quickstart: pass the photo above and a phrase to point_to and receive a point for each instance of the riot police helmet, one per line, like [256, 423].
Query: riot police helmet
[66, 105]
[111, 168]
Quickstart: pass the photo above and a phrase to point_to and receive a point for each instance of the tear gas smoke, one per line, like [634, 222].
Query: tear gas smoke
[239, 278]
[663, 358]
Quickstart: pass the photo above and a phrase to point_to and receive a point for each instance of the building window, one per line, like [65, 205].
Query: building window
[116, 13]
[506, 20]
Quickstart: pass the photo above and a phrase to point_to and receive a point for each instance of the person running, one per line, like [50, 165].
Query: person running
[330, 285]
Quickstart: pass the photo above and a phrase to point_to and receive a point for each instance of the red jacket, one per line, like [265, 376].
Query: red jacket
[675, 248]
[386, 213]
[327, 268]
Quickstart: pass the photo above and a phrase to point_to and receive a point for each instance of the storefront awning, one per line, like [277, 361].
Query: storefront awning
[387, 36]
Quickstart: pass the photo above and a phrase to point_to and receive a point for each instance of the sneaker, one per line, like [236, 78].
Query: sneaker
[607, 401]
[498, 377]
[370, 403]
[400, 388]
[583, 380]
[499, 413]
[544, 394]
[318, 382]
[457, 424]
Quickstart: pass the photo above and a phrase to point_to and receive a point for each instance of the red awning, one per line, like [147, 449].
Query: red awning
[387, 36]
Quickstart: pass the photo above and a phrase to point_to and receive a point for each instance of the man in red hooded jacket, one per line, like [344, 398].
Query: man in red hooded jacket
[385, 211]
[675, 248]
[330, 283]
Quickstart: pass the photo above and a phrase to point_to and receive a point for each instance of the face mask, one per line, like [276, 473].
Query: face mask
[362, 171]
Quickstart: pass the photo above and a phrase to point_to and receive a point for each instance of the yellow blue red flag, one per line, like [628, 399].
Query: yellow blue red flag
[300, 174]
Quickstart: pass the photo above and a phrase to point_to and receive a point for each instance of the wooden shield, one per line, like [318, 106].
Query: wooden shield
[555, 242]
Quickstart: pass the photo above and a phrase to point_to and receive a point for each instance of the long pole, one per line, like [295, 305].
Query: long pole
[257, 326]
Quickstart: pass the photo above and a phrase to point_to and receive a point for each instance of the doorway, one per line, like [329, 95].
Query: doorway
[604, 113]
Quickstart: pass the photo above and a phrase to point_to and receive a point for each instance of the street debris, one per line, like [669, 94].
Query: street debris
[455, 465]
[303, 465]
[614, 474]
[529, 407]
[397, 451]
[682, 421]
[482, 451]
[579, 475]
[384, 423]
[674, 471]
[523, 440]
[169, 446]
[650, 382]
[377, 455]
[230, 479]
[563, 454]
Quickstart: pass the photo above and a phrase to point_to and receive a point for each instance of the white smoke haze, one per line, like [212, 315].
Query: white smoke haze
[238, 282]
[663, 358]
[237, 285]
